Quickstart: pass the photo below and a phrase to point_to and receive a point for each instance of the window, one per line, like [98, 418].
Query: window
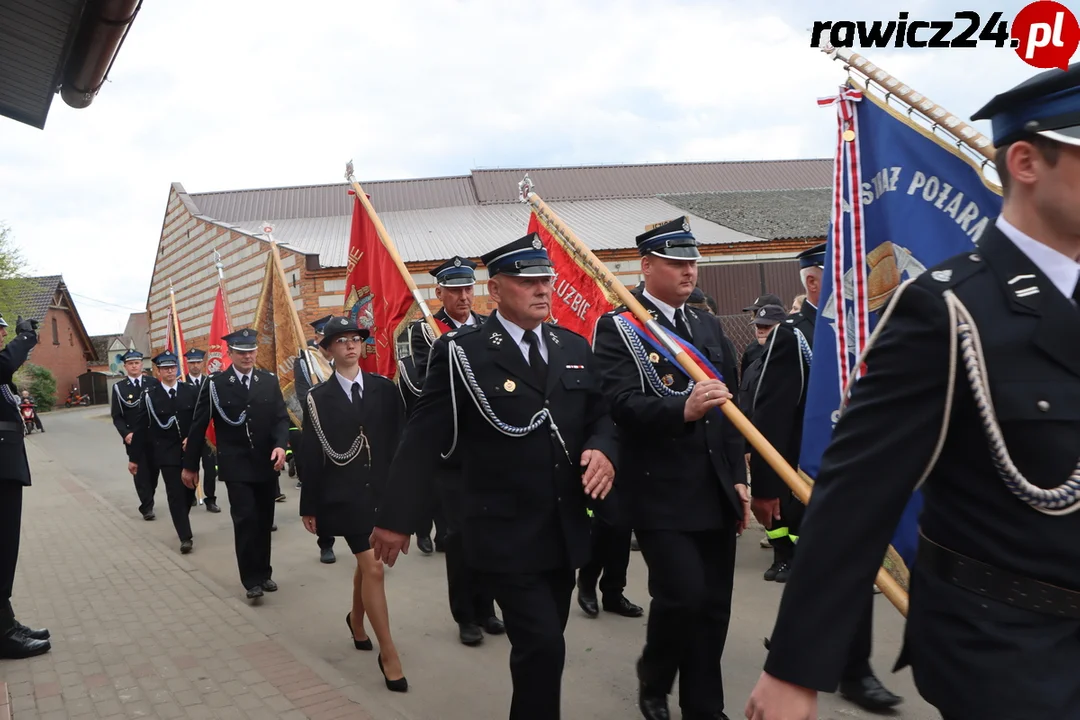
[55, 333]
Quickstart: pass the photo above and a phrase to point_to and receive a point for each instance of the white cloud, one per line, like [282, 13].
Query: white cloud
[227, 95]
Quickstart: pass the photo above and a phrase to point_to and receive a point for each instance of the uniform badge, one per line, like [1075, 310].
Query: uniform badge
[667, 380]
[686, 224]
[761, 312]
[509, 385]
[232, 378]
[254, 377]
[537, 245]
[457, 262]
[554, 338]
[654, 358]
[942, 275]
[130, 396]
[496, 338]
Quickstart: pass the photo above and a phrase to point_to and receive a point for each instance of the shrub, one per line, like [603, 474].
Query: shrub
[41, 384]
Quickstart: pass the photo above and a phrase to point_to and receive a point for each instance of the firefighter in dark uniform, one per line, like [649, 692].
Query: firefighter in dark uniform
[685, 476]
[196, 377]
[472, 609]
[306, 375]
[539, 443]
[811, 266]
[973, 390]
[16, 640]
[164, 419]
[454, 281]
[252, 427]
[754, 349]
[126, 406]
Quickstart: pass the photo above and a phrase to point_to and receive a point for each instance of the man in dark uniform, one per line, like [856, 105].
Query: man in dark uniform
[16, 640]
[973, 386]
[753, 350]
[472, 609]
[454, 282]
[126, 406]
[541, 435]
[811, 266]
[685, 475]
[306, 375]
[252, 427]
[163, 420]
[196, 378]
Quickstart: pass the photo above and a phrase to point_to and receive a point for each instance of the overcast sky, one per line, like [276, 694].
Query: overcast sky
[243, 94]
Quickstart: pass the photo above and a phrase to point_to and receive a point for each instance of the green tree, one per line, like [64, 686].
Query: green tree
[41, 384]
[14, 284]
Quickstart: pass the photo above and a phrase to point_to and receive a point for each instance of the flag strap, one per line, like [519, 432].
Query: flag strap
[643, 332]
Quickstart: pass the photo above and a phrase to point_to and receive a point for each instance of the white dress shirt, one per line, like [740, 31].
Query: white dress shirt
[1062, 270]
[518, 335]
[346, 384]
[170, 389]
[456, 324]
[195, 380]
[669, 311]
[240, 376]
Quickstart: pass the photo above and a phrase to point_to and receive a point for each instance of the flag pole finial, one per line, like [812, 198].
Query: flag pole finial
[349, 172]
[525, 188]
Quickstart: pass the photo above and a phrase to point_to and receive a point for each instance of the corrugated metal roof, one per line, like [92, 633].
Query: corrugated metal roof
[314, 201]
[35, 36]
[636, 181]
[439, 233]
[776, 214]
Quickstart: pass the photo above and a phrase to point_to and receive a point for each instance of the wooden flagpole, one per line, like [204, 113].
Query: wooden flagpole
[388, 243]
[177, 340]
[599, 271]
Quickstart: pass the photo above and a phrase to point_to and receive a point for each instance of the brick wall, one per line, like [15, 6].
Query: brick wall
[60, 350]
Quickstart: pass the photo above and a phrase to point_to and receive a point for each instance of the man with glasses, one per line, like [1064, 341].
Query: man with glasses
[524, 415]
[252, 427]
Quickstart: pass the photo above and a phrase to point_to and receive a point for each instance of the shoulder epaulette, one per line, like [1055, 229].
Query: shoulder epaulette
[952, 272]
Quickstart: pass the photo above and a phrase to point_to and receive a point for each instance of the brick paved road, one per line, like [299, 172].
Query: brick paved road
[141, 631]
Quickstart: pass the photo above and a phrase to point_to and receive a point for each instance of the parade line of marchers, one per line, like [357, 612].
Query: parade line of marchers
[929, 385]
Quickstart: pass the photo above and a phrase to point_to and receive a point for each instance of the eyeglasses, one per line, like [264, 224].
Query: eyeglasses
[345, 339]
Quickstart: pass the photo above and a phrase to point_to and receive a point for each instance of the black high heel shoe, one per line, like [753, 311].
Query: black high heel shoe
[400, 685]
[358, 644]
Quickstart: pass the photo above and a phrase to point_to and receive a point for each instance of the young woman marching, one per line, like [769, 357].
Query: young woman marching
[352, 423]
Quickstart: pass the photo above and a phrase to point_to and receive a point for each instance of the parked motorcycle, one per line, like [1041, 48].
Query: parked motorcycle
[76, 398]
[28, 413]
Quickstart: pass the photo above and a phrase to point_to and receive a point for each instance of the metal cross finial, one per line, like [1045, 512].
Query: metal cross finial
[349, 172]
[525, 188]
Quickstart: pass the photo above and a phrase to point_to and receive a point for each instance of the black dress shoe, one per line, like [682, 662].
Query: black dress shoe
[424, 545]
[280, 498]
[273, 528]
[14, 645]
[364, 644]
[494, 626]
[869, 694]
[254, 592]
[586, 600]
[326, 555]
[212, 506]
[470, 634]
[399, 685]
[653, 706]
[38, 634]
[185, 547]
[269, 585]
[622, 606]
[149, 515]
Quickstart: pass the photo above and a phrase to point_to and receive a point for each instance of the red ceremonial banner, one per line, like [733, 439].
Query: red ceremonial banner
[217, 357]
[577, 302]
[376, 296]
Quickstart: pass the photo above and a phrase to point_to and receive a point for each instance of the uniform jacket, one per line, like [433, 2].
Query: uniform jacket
[805, 320]
[409, 383]
[676, 475]
[244, 450]
[776, 402]
[523, 506]
[343, 498]
[126, 406]
[420, 344]
[202, 381]
[971, 656]
[13, 463]
[750, 354]
[151, 442]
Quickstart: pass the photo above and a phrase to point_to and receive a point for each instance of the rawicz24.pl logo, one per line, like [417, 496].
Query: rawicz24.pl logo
[1045, 33]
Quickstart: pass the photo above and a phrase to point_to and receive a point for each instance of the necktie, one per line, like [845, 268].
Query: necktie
[536, 360]
[244, 381]
[135, 383]
[1076, 294]
[172, 393]
[356, 393]
[681, 328]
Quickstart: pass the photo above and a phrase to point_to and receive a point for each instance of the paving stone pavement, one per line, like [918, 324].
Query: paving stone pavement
[138, 632]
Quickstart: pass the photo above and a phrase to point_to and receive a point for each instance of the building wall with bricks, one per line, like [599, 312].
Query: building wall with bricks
[61, 350]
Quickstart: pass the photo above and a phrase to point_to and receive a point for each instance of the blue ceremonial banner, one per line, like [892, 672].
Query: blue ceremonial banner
[920, 200]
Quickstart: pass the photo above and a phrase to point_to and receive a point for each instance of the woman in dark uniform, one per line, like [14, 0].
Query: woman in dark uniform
[352, 423]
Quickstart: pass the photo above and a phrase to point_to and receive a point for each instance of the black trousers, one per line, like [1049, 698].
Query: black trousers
[11, 497]
[690, 580]
[251, 506]
[209, 474]
[535, 609]
[180, 499]
[146, 482]
[858, 659]
[610, 559]
[437, 520]
[469, 603]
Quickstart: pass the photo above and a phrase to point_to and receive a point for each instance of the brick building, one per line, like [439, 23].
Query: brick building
[752, 218]
[64, 347]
